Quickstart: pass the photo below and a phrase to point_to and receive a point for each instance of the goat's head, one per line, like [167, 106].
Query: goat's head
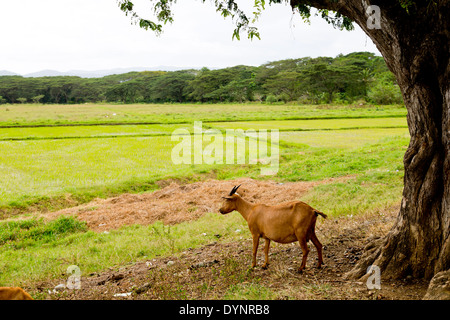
[229, 201]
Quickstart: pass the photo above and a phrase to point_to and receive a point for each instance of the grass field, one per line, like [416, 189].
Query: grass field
[52, 166]
[36, 168]
[341, 138]
[19, 115]
[73, 132]
[314, 124]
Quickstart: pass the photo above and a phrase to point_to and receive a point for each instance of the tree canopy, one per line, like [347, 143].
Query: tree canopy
[345, 78]
[243, 21]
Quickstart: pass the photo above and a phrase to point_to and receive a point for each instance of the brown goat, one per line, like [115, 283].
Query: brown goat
[13, 293]
[283, 223]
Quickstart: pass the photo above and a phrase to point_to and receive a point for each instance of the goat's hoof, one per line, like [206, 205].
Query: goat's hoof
[300, 271]
[265, 266]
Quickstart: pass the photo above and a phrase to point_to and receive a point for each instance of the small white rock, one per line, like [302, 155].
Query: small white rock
[169, 263]
[127, 294]
[60, 287]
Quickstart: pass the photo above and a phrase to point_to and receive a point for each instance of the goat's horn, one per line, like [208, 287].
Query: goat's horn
[233, 191]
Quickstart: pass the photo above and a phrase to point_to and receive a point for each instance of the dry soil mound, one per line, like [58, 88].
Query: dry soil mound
[176, 202]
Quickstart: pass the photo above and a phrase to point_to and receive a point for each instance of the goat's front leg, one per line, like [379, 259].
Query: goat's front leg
[255, 248]
[266, 253]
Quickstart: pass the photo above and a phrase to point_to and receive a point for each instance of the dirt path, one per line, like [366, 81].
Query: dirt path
[221, 270]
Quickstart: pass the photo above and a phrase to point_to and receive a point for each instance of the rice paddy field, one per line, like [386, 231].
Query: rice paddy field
[31, 114]
[49, 151]
[59, 156]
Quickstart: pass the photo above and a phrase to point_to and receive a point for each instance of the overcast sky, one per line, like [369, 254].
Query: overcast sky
[68, 35]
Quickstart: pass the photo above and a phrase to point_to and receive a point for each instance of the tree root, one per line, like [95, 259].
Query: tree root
[371, 253]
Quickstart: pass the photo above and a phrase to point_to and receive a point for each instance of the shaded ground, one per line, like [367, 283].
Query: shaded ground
[221, 270]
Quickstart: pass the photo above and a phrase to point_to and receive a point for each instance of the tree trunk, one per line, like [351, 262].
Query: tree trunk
[416, 49]
[415, 45]
[419, 242]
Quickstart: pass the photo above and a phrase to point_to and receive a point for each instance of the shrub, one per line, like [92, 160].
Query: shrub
[385, 93]
[283, 97]
[23, 233]
[271, 99]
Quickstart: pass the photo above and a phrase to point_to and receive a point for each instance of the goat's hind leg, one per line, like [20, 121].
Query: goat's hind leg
[266, 253]
[318, 246]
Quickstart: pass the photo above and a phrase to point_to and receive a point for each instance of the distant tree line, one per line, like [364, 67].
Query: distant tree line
[343, 79]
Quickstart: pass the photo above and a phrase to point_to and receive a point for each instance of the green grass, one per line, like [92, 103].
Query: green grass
[32, 114]
[53, 167]
[308, 164]
[74, 132]
[21, 234]
[24, 259]
[249, 291]
[375, 190]
[33, 172]
[322, 124]
[340, 138]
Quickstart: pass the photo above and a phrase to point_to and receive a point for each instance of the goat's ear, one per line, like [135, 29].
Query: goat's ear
[227, 198]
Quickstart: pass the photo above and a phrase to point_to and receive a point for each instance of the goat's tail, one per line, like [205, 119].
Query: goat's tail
[317, 212]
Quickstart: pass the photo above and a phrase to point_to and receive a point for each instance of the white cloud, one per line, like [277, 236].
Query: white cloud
[90, 35]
